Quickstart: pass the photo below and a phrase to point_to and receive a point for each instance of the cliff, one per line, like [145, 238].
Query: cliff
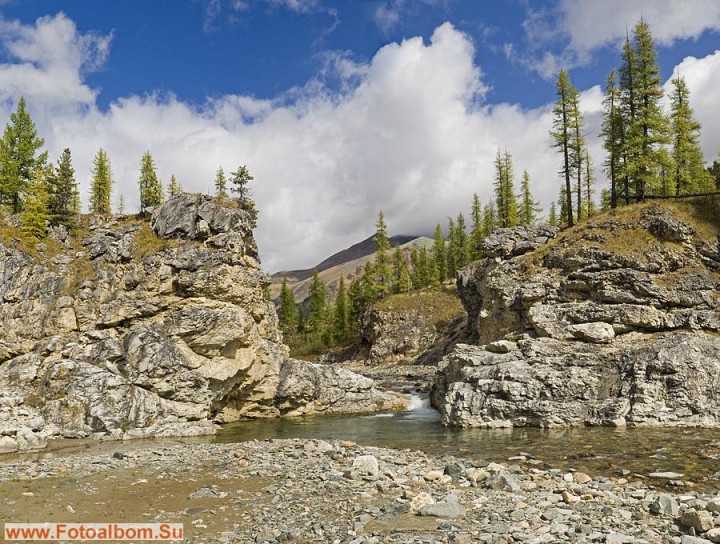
[141, 329]
[613, 322]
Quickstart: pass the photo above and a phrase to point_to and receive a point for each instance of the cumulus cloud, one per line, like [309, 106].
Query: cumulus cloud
[410, 133]
[581, 27]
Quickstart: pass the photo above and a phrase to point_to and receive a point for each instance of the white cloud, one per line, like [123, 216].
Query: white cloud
[389, 12]
[582, 26]
[410, 135]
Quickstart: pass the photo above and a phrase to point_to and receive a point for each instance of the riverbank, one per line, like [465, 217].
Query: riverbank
[334, 491]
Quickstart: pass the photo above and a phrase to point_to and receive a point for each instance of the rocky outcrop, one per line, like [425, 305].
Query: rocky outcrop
[307, 388]
[404, 327]
[138, 329]
[615, 322]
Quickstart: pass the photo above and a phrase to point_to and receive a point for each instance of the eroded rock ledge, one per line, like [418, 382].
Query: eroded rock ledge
[612, 323]
[144, 330]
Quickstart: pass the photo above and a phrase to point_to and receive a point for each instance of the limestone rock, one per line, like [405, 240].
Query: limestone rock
[615, 322]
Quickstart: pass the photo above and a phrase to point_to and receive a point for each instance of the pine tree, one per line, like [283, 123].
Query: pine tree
[589, 182]
[101, 184]
[438, 254]
[382, 257]
[150, 187]
[612, 134]
[317, 306]
[20, 157]
[561, 133]
[476, 232]
[553, 219]
[529, 208]
[687, 157]
[34, 218]
[239, 181]
[121, 204]
[220, 183]
[341, 320]
[61, 192]
[505, 199]
[288, 311]
[173, 186]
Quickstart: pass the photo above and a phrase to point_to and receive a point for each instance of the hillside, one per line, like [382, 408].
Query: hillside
[613, 322]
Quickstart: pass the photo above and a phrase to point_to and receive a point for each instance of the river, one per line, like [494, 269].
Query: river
[597, 450]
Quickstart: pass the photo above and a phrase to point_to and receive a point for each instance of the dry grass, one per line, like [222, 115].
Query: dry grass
[439, 306]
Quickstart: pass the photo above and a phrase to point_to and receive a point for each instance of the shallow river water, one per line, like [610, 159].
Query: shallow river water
[595, 450]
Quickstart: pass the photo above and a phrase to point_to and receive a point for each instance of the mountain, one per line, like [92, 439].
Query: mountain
[348, 263]
[355, 251]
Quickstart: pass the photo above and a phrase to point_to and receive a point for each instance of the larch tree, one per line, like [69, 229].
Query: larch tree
[647, 132]
[589, 182]
[121, 204]
[505, 199]
[101, 184]
[220, 183]
[34, 217]
[173, 186]
[20, 157]
[462, 257]
[239, 184]
[577, 150]
[489, 221]
[529, 208]
[317, 306]
[341, 321]
[288, 310]
[450, 255]
[476, 232]
[553, 218]
[150, 187]
[438, 254]
[690, 175]
[61, 192]
[383, 281]
[562, 134]
[612, 135]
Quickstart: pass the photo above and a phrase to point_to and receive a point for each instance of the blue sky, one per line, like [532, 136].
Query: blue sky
[339, 108]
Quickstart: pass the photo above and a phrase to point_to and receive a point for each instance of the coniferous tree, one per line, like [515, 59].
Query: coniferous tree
[690, 175]
[422, 269]
[317, 306]
[220, 183]
[439, 254]
[61, 192]
[489, 221]
[477, 230]
[401, 276]
[150, 188]
[121, 204]
[101, 184]
[605, 200]
[553, 219]
[563, 203]
[562, 135]
[714, 171]
[288, 310]
[612, 134]
[173, 186]
[589, 182]
[34, 217]
[647, 130]
[577, 147]
[382, 257]
[239, 181]
[462, 258]
[450, 250]
[20, 157]
[505, 199]
[341, 321]
[529, 208]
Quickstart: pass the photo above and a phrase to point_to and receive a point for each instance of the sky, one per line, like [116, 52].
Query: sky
[341, 108]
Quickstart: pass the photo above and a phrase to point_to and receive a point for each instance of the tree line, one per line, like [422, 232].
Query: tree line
[46, 195]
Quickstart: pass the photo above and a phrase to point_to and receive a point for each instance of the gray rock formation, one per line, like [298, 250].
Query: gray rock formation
[139, 330]
[612, 323]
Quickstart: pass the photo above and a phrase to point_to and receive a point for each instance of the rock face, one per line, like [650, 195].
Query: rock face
[402, 328]
[138, 329]
[612, 323]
